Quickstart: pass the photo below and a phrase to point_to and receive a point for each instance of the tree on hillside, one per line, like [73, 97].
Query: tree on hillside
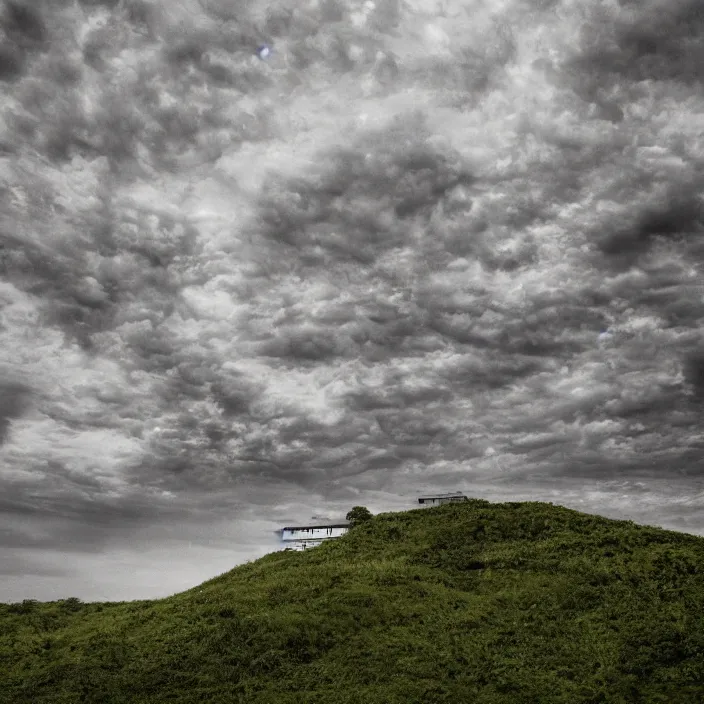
[359, 514]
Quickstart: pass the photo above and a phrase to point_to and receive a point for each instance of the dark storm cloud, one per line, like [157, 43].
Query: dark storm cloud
[694, 373]
[680, 217]
[303, 344]
[14, 399]
[23, 25]
[71, 511]
[473, 373]
[233, 393]
[664, 42]
[365, 191]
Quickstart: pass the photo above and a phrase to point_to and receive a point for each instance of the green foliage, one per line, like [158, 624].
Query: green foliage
[71, 604]
[26, 607]
[359, 514]
[473, 602]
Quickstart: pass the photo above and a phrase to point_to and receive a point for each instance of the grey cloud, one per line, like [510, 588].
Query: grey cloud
[409, 427]
[682, 217]
[472, 374]
[233, 393]
[303, 343]
[23, 23]
[694, 373]
[11, 65]
[18, 564]
[64, 516]
[663, 43]
[367, 198]
[395, 302]
[155, 347]
[14, 401]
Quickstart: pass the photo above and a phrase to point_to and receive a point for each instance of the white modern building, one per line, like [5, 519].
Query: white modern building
[309, 536]
[437, 499]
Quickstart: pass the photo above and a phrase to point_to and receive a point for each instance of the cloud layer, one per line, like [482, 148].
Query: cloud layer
[419, 247]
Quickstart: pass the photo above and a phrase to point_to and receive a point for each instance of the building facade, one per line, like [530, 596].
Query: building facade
[437, 499]
[305, 537]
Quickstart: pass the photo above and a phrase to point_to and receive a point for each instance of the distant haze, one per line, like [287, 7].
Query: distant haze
[420, 247]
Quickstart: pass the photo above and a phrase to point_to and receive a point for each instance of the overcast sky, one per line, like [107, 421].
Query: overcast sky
[422, 247]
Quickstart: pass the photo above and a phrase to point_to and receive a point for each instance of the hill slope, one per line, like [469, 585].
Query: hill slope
[473, 602]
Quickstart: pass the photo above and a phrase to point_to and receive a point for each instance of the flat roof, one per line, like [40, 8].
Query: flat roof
[316, 525]
[443, 496]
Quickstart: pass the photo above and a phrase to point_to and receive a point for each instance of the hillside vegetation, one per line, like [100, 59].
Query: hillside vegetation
[475, 603]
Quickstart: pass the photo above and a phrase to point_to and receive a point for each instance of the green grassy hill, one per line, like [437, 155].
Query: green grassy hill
[473, 603]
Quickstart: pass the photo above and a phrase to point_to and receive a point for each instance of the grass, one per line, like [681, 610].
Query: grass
[472, 603]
